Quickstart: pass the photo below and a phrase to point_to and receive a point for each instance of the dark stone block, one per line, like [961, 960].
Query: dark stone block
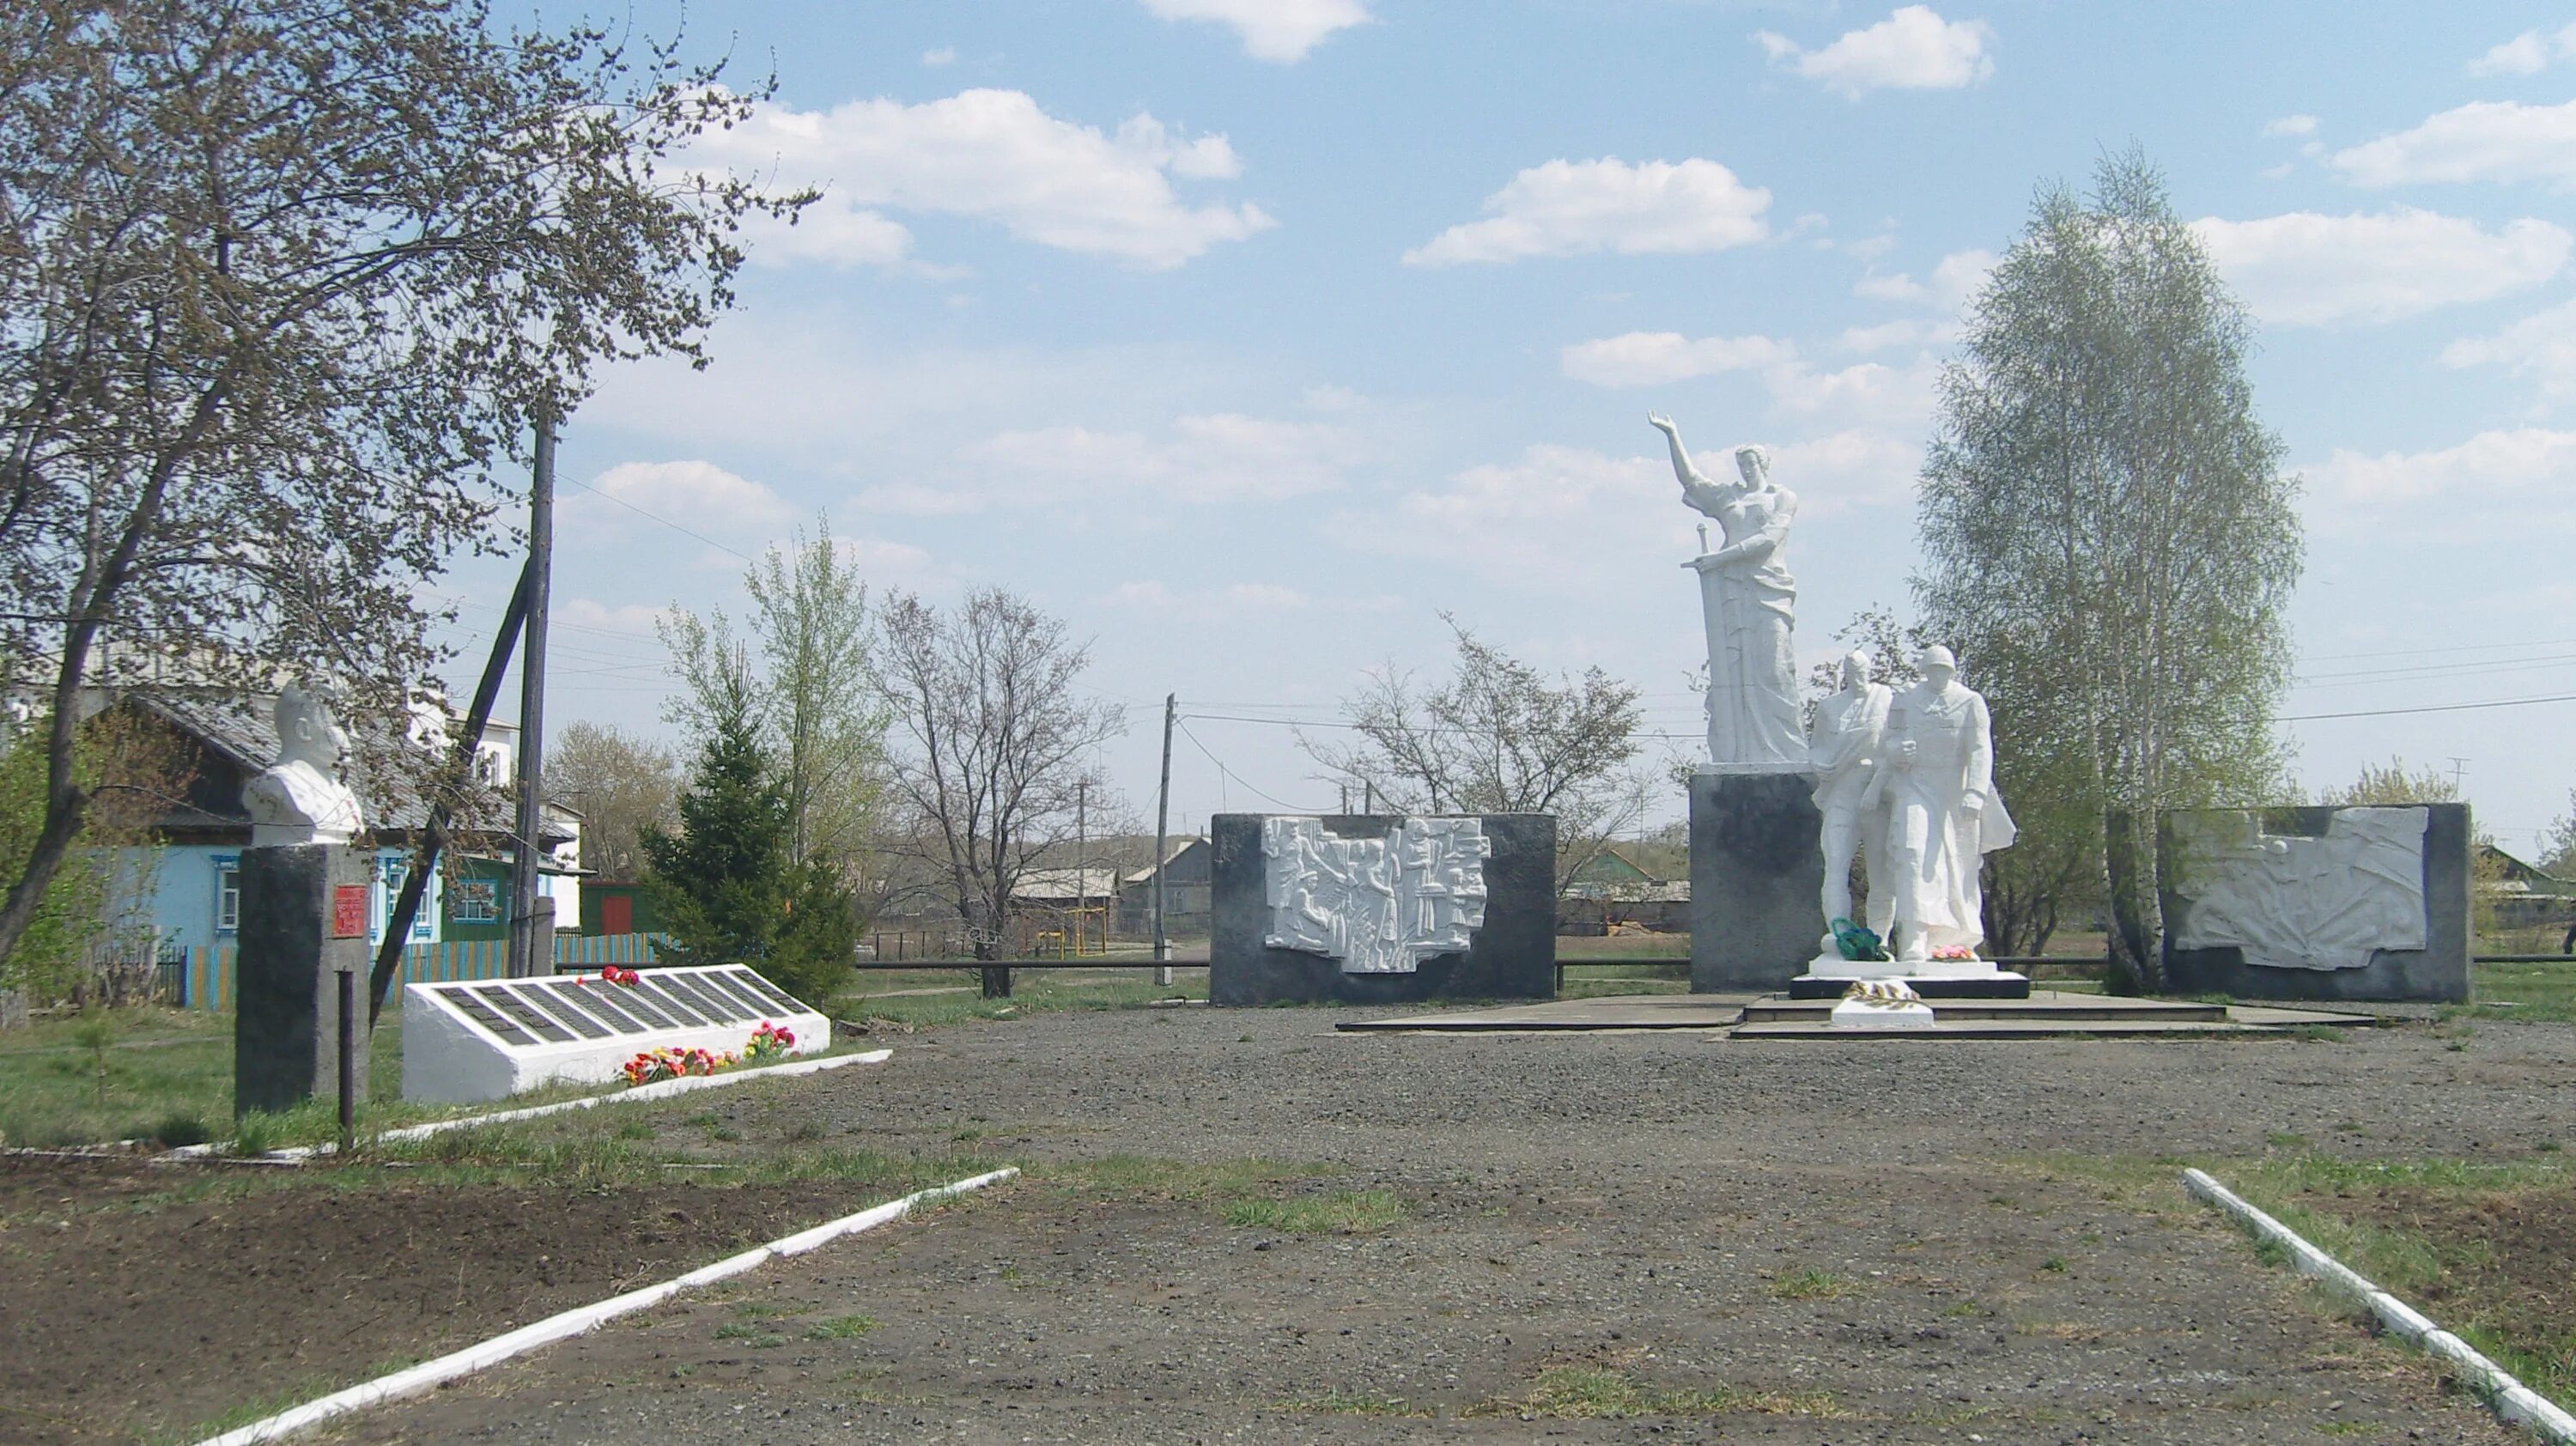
[1757, 880]
[2437, 973]
[1513, 955]
[286, 1024]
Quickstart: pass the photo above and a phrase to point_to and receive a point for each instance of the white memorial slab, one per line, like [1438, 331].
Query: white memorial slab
[467, 1041]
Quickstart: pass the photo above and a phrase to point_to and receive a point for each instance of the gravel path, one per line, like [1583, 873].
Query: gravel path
[1731, 1240]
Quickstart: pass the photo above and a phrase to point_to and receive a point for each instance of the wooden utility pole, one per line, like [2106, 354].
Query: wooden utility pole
[532, 939]
[1162, 822]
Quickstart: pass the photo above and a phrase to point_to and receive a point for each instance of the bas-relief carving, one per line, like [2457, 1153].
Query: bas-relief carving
[300, 798]
[2291, 902]
[1746, 600]
[1379, 905]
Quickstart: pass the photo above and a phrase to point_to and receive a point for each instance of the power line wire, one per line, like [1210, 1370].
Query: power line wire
[2430, 708]
[666, 522]
[1237, 777]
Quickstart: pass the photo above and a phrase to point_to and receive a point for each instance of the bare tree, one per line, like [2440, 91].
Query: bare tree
[993, 740]
[282, 283]
[624, 787]
[1498, 737]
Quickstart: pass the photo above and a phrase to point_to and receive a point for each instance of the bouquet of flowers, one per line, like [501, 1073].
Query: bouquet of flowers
[662, 1064]
[1958, 953]
[613, 975]
[768, 1042]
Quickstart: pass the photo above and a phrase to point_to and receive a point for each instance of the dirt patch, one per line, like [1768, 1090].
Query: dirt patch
[116, 1320]
[2508, 1258]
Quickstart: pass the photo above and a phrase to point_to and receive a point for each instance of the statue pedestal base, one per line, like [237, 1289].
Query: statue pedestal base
[1757, 872]
[1828, 976]
[297, 931]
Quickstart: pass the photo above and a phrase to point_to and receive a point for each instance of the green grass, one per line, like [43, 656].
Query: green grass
[1343, 1212]
[1033, 991]
[169, 1078]
[2520, 993]
[840, 1328]
[1593, 1392]
[1574, 949]
[1812, 1284]
[1338, 1402]
[2435, 1275]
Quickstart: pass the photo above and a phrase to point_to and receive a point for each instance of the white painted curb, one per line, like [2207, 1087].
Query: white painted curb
[658, 1090]
[429, 1375]
[2514, 1403]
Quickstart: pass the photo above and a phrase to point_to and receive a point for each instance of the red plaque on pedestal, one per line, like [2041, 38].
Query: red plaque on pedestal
[349, 911]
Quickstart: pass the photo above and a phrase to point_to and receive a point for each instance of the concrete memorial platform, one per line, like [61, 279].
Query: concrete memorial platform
[2045, 1014]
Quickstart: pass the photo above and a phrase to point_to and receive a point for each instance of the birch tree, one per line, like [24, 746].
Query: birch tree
[2110, 541]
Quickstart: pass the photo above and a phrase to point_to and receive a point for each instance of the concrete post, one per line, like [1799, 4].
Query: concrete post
[304, 916]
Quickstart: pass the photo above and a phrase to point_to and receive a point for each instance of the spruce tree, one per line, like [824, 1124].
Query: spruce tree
[727, 891]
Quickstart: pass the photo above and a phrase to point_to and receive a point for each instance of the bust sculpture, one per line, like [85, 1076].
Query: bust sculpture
[1851, 726]
[300, 799]
[1746, 595]
[1935, 775]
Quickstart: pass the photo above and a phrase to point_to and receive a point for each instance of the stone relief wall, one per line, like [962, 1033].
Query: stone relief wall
[2290, 902]
[1377, 905]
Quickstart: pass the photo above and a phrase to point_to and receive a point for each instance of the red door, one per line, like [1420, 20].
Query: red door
[617, 914]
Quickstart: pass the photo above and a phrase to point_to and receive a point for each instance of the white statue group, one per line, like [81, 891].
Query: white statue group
[1905, 780]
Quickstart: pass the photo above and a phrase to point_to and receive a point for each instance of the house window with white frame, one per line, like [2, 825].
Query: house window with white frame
[478, 901]
[227, 893]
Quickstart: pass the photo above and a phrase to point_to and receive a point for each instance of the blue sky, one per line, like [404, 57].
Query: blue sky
[1252, 335]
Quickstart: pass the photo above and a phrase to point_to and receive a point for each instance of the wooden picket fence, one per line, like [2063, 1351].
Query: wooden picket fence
[202, 978]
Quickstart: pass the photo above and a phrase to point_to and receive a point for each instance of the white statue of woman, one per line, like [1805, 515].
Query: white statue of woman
[1936, 772]
[1851, 727]
[1746, 595]
[300, 798]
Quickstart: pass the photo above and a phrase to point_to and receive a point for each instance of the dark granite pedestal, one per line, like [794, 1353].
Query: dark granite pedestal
[1513, 955]
[1757, 880]
[286, 1004]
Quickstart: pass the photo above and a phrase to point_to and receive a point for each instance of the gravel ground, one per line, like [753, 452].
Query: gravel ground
[1728, 1240]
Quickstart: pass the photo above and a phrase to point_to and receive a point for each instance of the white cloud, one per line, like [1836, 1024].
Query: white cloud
[1955, 278]
[944, 55]
[1280, 31]
[1152, 595]
[1566, 208]
[1554, 521]
[1652, 358]
[693, 494]
[2291, 125]
[2526, 54]
[1219, 458]
[2541, 346]
[585, 614]
[2485, 140]
[1871, 395]
[2489, 467]
[993, 155]
[2307, 269]
[1913, 49]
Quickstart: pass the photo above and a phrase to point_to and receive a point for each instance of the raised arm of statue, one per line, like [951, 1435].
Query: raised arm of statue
[1701, 492]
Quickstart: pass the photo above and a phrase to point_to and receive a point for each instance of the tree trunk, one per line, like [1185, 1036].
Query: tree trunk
[2136, 932]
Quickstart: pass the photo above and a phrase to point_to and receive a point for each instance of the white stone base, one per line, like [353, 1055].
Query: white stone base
[1854, 1014]
[1833, 965]
[449, 1057]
